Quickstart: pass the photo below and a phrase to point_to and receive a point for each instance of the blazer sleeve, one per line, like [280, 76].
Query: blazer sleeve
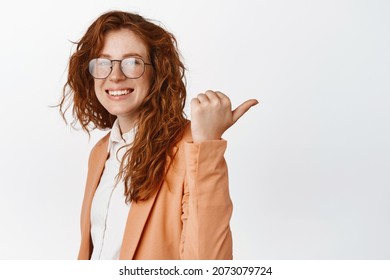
[206, 205]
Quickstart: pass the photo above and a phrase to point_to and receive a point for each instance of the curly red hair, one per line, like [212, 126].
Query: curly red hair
[161, 122]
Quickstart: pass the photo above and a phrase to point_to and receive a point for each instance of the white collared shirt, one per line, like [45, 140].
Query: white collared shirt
[109, 211]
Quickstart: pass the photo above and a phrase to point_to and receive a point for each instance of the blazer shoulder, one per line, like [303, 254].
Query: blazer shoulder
[101, 145]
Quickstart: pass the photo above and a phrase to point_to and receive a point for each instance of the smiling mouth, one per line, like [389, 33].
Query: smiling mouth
[119, 92]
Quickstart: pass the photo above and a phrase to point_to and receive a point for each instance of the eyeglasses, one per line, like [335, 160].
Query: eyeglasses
[132, 67]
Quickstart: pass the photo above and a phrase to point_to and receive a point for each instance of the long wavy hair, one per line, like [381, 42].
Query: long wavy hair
[161, 122]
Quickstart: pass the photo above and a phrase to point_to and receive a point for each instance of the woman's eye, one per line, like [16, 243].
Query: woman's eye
[104, 63]
[130, 62]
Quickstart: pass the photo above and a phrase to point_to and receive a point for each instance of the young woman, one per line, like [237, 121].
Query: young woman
[157, 184]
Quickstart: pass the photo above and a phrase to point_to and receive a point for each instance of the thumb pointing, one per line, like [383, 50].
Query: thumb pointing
[243, 108]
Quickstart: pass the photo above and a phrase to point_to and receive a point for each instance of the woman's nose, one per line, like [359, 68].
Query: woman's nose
[116, 72]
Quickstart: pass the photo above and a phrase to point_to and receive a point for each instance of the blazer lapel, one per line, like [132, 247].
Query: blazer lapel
[96, 164]
[95, 168]
[138, 215]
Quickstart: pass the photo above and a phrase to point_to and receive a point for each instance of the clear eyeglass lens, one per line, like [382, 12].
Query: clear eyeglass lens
[102, 67]
[132, 67]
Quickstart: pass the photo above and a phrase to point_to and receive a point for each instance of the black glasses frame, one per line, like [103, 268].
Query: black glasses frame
[112, 65]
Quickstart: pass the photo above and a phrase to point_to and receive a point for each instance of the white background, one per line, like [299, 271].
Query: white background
[309, 166]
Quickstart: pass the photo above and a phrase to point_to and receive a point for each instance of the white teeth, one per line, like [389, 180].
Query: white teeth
[118, 92]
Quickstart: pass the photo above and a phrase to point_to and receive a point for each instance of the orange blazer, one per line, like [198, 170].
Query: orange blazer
[188, 218]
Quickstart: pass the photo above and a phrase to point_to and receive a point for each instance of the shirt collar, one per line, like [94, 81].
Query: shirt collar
[117, 137]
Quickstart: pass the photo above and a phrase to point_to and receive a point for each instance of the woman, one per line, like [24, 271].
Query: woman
[157, 185]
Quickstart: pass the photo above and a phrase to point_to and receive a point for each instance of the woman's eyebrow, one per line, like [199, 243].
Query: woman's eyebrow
[123, 56]
[132, 54]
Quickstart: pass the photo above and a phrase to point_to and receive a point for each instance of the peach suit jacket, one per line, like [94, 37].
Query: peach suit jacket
[188, 218]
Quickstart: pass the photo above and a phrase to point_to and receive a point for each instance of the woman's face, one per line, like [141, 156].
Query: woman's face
[119, 95]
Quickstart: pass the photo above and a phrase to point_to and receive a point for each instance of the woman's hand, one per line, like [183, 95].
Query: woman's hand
[212, 115]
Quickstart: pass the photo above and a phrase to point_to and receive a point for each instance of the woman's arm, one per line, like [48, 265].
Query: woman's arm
[207, 207]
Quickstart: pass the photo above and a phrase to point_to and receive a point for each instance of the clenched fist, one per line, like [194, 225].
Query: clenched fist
[212, 115]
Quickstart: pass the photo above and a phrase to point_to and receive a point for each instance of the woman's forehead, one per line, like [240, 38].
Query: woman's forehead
[123, 43]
